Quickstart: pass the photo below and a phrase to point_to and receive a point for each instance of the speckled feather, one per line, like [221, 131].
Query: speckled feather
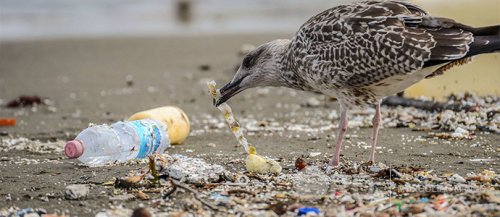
[354, 51]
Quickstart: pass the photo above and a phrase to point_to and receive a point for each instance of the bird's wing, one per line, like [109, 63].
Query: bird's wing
[363, 43]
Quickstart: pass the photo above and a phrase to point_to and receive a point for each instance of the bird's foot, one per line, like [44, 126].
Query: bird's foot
[334, 162]
[371, 160]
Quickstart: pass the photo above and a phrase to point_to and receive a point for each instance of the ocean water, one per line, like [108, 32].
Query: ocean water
[36, 19]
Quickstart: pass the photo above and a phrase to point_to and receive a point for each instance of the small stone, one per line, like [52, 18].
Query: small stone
[460, 133]
[141, 212]
[130, 80]
[204, 67]
[417, 208]
[122, 197]
[213, 145]
[457, 178]
[44, 199]
[313, 102]
[374, 169]
[75, 192]
[141, 195]
[300, 164]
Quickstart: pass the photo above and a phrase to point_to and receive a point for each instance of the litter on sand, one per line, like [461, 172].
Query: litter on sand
[353, 189]
[254, 162]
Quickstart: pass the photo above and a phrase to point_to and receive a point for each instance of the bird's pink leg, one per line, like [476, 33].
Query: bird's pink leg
[340, 136]
[376, 126]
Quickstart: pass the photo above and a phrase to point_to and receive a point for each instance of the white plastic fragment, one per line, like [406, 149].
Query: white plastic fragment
[460, 133]
[254, 163]
[194, 170]
[228, 115]
[75, 192]
[457, 178]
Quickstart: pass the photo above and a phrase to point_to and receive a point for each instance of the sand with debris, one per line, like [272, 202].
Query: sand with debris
[106, 80]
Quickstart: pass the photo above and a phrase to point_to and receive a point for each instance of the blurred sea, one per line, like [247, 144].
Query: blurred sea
[35, 19]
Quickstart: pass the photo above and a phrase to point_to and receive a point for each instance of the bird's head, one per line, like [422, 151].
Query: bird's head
[261, 67]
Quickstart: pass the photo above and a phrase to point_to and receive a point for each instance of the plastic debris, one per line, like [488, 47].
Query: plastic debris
[26, 212]
[460, 133]
[7, 122]
[220, 199]
[457, 178]
[228, 115]
[76, 192]
[254, 163]
[307, 211]
[193, 170]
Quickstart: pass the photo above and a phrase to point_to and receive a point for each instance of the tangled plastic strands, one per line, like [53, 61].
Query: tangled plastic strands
[228, 115]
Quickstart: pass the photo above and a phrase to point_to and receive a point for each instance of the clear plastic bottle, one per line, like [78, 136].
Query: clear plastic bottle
[122, 141]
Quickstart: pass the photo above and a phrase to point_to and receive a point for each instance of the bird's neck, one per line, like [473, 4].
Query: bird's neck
[289, 72]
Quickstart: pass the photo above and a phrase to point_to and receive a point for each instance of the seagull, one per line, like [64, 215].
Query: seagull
[360, 53]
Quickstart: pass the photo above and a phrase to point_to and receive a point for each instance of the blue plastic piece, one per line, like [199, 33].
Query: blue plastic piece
[424, 200]
[308, 210]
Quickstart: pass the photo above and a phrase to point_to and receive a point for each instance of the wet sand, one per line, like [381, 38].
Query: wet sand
[86, 81]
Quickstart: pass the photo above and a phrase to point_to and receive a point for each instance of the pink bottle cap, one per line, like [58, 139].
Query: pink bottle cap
[73, 149]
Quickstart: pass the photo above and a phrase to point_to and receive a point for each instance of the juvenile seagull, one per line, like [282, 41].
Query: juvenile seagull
[361, 53]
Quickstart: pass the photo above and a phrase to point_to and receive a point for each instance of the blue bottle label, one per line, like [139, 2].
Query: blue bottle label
[150, 136]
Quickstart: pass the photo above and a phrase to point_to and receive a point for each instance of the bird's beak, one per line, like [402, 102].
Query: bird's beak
[229, 90]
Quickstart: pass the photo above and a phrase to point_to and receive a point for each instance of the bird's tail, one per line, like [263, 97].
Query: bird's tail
[486, 31]
[486, 40]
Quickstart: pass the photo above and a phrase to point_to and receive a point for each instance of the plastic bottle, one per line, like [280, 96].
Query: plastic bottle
[120, 142]
[145, 133]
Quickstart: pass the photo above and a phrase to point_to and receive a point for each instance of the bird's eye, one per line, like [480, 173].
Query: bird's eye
[247, 62]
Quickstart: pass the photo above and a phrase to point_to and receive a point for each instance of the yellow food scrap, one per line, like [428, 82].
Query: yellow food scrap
[235, 129]
[258, 164]
[253, 150]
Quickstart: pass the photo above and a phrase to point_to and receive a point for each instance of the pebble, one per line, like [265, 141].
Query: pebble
[460, 133]
[417, 208]
[75, 192]
[457, 178]
[141, 212]
[313, 102]
[122, 197]
[374, 169]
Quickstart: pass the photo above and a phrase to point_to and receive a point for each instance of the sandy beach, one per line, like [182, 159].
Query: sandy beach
[85, 82]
